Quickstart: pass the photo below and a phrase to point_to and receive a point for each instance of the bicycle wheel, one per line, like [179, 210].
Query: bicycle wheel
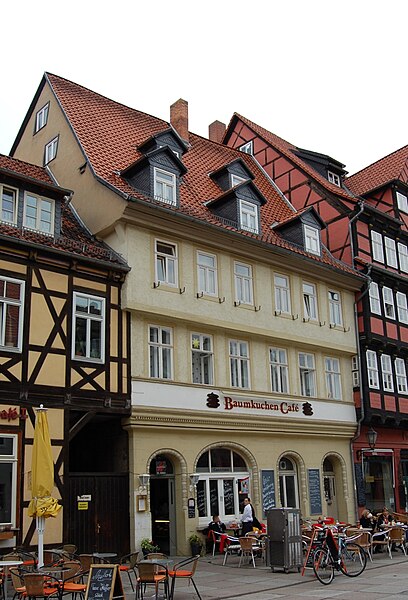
[353, 559]
[323, 566]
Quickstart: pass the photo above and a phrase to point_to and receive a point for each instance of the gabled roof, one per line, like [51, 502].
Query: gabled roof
[383, 171]
[288, 150]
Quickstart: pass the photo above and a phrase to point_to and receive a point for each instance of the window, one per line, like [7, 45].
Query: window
[279, 370]
[312, 239]
[166, 263]
[372, 369]
[401, 374]
[282, 294]
[202, 358]
[236, 180]
[11, 313]
[355, 371]
[402, 202]
[333, 178]
[8, 198]
[374, 293]
[39, 213]
[333, 379]
[247, 148]
[51, 150]
[388, 299]
[207, 273]
[288, 485]
[248, 216]
[8, 479]
[377, 246]
[41, 118]
[335, 308]
[243, 283]
[164, 186]
[239, 364]
[89, 327]
[160, 352]
[390, 252]
[402, 307]
[307, 373]
[403, 257]
[309, 302]
[386, 369]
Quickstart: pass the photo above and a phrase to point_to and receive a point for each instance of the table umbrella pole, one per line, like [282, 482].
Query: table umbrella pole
[40, 531]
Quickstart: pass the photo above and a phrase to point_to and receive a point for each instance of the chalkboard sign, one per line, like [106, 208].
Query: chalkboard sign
[361, 497]
[314, 492]
[228, 497]
[268, 491]
[104, 583]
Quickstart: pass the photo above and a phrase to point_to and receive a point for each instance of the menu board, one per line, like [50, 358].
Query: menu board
[314, 492]
[268, 490]
[104, 583]
[361, 499]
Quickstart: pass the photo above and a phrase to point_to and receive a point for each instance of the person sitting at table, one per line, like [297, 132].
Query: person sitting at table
[367, 519]
[384, 518]
[217, 525]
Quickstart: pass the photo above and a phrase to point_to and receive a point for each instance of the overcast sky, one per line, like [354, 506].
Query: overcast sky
[326, 76]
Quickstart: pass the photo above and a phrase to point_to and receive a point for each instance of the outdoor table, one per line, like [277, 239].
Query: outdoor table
[6, 564]
[104, 555]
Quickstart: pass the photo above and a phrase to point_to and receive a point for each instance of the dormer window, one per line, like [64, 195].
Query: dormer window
[248, 214]
[236, 180]
[333, 178]
[312, 239]
[39, 213]
[247, 148]
[164, 186]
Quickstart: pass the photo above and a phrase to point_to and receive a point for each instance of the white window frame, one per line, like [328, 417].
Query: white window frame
[372, 370]
[388, 299]
[160, 347]
[6, 302]
[239, 364]
[377, 247]
[310, 302]
[41, 117]
[402, 202]
[402, 307]
[39, 212]
[386, 372]
[279, 370]
[14, 191]
[248, 148]
[168, 262]
[248, 216]
[355, 371]
[198, 348]
[282, 294]
[244, 291]
[307, 375]
[401, 376]
[161, 178]
[50, 151]
[236, 180]
[334, 178]
[374, 296]
[333, 377]
[335, 310]
[312, 239]
[13, 460]
[403, 257]
[89, 318]
[390, 252]
[207, 275]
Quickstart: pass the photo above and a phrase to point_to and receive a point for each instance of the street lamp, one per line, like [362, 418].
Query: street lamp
[372, 438]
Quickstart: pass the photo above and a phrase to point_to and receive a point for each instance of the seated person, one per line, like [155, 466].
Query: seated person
[384, 518]
[216, 525]
[367, 520]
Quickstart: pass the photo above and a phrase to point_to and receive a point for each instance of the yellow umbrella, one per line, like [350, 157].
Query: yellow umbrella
[42, 505]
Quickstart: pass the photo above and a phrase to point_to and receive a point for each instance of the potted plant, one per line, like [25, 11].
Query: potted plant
[196, 544]
[148, 546]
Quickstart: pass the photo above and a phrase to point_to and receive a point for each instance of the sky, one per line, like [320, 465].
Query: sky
[326, 76]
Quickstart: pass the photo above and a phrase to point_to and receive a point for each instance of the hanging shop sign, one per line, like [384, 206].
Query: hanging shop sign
[12, 413]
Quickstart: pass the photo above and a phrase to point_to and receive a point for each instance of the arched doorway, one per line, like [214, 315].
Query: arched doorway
[163, 504]
[288, 483]
[330, 494]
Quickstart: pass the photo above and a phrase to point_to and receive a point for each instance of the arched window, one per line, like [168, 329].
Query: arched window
[223, 484]
[288, 485]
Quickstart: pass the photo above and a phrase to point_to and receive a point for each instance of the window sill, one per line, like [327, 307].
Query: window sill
[82, 359]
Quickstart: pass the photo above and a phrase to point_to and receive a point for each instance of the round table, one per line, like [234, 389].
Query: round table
[6, 564]
[104, 555]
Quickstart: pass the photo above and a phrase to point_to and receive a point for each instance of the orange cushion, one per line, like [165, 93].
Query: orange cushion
[180, 573]
[124, 568]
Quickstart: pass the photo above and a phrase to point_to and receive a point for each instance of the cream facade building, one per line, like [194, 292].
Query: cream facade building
[242, 324]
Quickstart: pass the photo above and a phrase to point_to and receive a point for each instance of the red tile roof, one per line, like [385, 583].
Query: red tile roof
[110, 133]
[383, 171]
[20, 167]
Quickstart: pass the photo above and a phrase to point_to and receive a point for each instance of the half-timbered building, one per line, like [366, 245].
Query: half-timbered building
[64, 343]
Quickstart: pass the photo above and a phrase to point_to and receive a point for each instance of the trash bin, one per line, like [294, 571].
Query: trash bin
[284, 539]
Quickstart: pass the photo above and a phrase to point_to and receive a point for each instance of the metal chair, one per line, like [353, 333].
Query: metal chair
[180, 572]
[71, 579]
[397, 538]
[381, 538]
[17, 583]
[35, 587]
[151, 574]
[232, 546]
[248, 546]
[127, 564]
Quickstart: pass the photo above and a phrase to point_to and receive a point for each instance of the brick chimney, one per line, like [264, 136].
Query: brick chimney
[179, 118]
[216, 131]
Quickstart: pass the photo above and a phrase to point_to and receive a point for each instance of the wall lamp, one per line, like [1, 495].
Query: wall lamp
[144, 479]
[194, 479]
[372, 438]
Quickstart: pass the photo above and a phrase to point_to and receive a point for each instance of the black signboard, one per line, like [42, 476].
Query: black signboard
[104, 583]
[314, 492]
[268, 490]
[191, 508]
[361, 498]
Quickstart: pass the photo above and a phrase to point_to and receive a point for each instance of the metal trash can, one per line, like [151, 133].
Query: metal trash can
[284, 539]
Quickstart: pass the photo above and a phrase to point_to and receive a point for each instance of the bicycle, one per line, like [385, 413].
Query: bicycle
[348, 557]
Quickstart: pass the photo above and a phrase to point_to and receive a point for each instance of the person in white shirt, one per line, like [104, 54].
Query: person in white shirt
[247, 517]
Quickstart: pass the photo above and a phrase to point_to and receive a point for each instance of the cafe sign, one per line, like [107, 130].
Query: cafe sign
[284, 408]
[13, 413]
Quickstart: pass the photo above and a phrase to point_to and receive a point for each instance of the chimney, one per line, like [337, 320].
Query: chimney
[179, 118]
[216, 131]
